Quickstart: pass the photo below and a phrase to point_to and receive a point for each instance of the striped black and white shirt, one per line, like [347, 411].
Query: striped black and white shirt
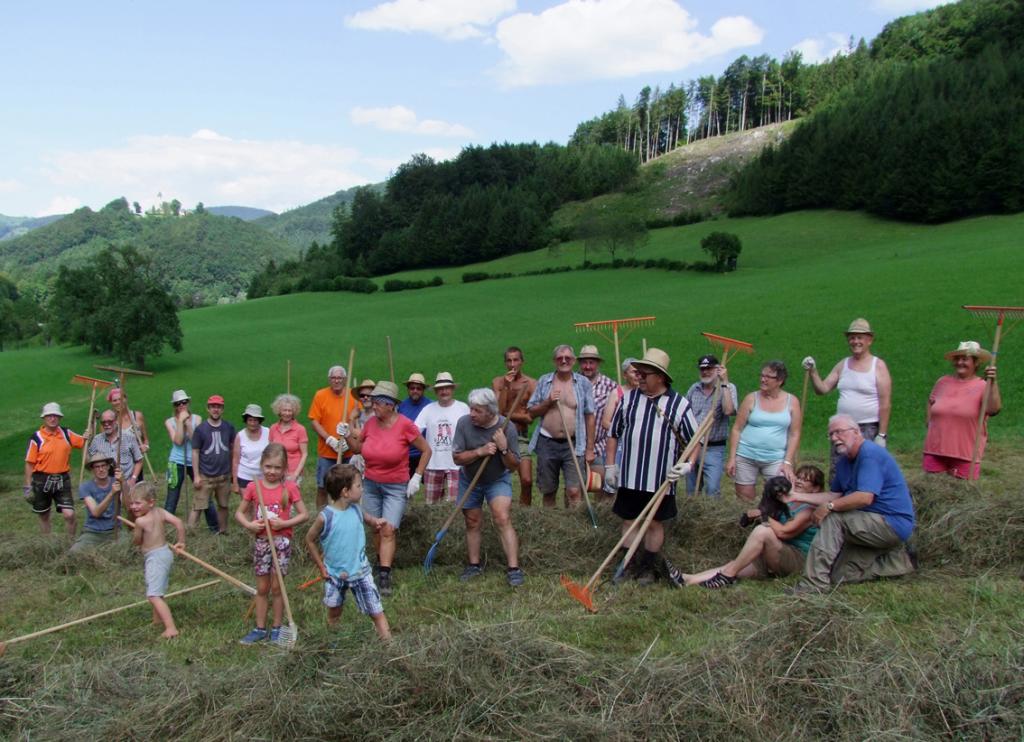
[651, 434]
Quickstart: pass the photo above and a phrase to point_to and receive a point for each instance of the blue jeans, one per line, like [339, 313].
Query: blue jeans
[714, 465]
[500, 487]
[176, 474]
[384, 500]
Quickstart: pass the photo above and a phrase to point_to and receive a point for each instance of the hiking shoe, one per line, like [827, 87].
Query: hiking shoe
[275, 634]
[718, 581]
[384, 583]
[471, 571]
[515, 576]
[671, 573]
[256, 635]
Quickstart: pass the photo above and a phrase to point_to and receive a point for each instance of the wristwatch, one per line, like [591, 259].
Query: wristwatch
[831, 506]
[505, 452]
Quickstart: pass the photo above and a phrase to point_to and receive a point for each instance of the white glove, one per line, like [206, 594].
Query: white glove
[679, 471]
[342, 446]
[27, 492]
[611, 476]
[332, 442]
[880, 441]
[809, 363]
[358, 463]
[413, 487]
[342, 430]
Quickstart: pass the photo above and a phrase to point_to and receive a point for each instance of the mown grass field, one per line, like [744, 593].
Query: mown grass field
[936, 655]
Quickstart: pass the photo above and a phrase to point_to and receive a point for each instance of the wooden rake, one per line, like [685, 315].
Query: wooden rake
[290, 633]
[93, 617]
[576, 463]
[349, 381]
[729, 348]
[205, 565]
[585, 593]
[601, 326]
[1001, 314]
[96, 385]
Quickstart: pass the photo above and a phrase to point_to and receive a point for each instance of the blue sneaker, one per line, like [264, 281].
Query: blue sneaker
[515, 576]
[275, 634]
[256, 635]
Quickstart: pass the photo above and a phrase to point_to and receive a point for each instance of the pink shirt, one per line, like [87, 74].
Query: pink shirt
[386, 451]
[272, 499]
[291, 439]
[955, 405]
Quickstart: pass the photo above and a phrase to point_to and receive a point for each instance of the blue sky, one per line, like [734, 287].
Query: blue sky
[275, 105]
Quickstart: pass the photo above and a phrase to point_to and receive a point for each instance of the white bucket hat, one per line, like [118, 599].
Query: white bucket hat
[179, 395]
[253, 410]
[51, 408]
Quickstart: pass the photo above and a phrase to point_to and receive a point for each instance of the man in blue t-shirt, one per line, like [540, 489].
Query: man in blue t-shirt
[865, 520]
[411, 407]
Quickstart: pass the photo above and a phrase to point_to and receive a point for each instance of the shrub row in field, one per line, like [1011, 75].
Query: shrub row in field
[651, 264]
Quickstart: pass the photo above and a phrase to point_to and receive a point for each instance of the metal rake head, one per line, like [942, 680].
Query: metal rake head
[580, 593]
[287, 636]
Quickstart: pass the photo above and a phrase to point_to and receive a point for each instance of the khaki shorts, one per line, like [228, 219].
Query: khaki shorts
[219, 487]
[791, 562]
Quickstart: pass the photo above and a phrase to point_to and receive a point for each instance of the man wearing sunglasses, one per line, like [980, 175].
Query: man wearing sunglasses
[551, 439]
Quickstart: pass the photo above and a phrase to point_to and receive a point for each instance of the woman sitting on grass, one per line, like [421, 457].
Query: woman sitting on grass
[778, 545]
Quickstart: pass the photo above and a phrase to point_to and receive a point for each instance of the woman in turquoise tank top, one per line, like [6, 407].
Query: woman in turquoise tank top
[765, 439]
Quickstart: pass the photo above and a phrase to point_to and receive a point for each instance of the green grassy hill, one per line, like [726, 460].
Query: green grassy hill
[930, 656]
[802, 278]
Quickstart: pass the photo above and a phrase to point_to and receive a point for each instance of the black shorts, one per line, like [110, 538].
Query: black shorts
[629, 504]
[52, 489]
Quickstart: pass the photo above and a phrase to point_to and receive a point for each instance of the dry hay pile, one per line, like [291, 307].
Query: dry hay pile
[813, 669]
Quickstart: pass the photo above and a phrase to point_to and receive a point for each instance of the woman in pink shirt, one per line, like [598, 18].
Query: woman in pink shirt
[954, 407]
[384, 444]
[291, 434]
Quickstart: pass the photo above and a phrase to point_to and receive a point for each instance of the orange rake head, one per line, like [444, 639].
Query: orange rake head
[580, 592]
[90, 381]
[728, 343]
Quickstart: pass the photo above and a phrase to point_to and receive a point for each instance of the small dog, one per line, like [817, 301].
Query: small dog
[771, 505]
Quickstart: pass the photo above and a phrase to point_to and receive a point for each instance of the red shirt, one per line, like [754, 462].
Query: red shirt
[386, 450]
[272, 499]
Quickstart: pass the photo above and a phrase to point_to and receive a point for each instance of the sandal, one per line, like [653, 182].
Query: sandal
[719, 580]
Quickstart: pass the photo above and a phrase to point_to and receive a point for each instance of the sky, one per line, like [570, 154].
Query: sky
[275, 105]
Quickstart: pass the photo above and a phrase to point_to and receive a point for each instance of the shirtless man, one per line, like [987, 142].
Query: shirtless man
[505, 388]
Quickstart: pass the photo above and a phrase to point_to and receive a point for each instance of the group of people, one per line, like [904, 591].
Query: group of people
[375, 448]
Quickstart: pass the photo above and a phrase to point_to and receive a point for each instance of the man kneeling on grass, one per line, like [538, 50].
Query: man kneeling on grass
[865, 521]
[483, 439]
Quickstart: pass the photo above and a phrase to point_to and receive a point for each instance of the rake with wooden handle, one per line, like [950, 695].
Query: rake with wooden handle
[576, 463]
[428, 560]
[96, 385]
[615, 324]
[349, 381]
[93, 617]
[289, 634]
[585, 593]
[727, 345]
[1000, 313]
[208, 567]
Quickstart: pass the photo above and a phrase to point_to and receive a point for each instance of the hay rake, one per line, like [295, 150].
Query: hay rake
[96, 385]
[629, 325]
[1001, 314]
[729, 347]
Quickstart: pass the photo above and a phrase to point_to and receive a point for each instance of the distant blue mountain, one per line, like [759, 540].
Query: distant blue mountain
[15, 226]
[245, 213]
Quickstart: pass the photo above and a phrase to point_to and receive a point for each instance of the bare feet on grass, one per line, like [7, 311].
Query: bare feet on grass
[169, 633]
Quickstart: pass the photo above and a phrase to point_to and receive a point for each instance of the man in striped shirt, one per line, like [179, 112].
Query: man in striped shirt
[651, 426]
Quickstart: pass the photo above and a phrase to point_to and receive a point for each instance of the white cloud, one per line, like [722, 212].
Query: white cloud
[452, 20]
[606, 39]
[10, 186]
[400, 118]
[816, 50]
[905, 7]
[388, 165]
[208, 167]
[60, 205]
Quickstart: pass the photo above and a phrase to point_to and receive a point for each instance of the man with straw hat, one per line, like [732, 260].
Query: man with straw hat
[411, 407]
[325, 412]
[651, 426]
[47, 469]
[564, 400]
[98, 495]
[437, 422]
[604, 391]
[507, 388]
[865, 387]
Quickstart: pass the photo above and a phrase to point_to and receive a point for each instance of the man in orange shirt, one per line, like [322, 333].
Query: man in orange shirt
[47, 469]
[326, 412]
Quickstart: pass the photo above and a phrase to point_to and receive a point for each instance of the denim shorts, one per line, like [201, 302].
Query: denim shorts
[323, 466]
[364, 590]
[382, 500]
[500, 487]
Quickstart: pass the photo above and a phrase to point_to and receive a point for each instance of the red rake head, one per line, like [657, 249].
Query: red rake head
[992, 311]
[580, 593]
[728, 343]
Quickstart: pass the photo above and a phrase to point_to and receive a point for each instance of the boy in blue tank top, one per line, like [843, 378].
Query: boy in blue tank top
[343, 564]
